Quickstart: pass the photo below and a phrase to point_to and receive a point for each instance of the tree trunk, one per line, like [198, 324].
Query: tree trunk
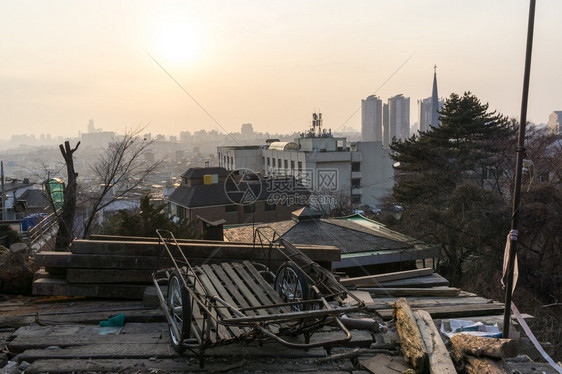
[65, 218]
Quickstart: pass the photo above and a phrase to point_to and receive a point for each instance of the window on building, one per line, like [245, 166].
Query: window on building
[356, 199]
[279, 164]
[292, 166]
[356, 183]
[355, 166]
[249, 208]
[300, 166]
[268, 161]
[273, 162]
[270, 207]
[231, 208]
[286, 164]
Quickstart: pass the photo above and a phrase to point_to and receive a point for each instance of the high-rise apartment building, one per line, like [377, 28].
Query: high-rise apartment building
[385, 127]
[554, 121]
[399, 117]
[371, 119]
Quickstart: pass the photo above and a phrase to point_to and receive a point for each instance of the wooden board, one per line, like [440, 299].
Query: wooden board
[405, 292]
[24, 342]
[454, 311]
[432, 280]
[383, 364]
[174, 365]
[378, 278]
[74, 275]
[90, 261]
[201, 249]
[60, 287]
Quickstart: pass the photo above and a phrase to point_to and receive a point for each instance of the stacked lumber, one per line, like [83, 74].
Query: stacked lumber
[421, 344]
[123, 269]
[427, 290]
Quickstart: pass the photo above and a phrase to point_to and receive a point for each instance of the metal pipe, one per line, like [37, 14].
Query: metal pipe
[518, 172]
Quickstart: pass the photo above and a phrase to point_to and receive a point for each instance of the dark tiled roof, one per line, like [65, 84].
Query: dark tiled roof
[200, 195]
[200, 172]
[350, 237]
[245, 233]
[34, 199]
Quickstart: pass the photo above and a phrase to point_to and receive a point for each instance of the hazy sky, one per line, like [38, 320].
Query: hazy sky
[270, 63]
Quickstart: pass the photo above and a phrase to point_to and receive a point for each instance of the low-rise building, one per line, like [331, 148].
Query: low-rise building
[215, 193]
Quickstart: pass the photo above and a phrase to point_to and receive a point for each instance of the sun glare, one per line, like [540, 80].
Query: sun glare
[176, 42]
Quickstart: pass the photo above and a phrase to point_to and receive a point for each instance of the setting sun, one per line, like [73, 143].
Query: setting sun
[176, 42]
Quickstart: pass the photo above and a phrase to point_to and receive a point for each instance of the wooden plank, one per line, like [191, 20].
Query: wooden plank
[454, 311]
[252, 285]
[386, 292]
[217, 332]
[387, 303]
[202, 249]
[60, 287]
[225, 332]
[383, 364]
[92, 261]
[242, 288]
[95, 351]
[411, 341]
[74, 275]
[238, 299]
[433, 280]
[275, 298]
[378, 278]
[107, 365]
[24, 342]
[439, 359]
[223, 294]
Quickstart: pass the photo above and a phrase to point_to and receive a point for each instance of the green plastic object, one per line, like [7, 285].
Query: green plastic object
[118, 320]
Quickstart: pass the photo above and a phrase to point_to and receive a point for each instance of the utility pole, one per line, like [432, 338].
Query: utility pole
[4, 208]
[518, 170]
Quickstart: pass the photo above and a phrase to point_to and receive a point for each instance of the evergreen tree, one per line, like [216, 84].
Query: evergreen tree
[145, 222]
[442, 186]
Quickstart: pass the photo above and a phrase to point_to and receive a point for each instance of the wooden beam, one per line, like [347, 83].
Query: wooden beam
[391, 291]
[413, 347]
[196, 249]
[378, 278]
[440, 361]
[59, 287]
[74, 275]
[454, 311]
[464, 344]
[426, 281]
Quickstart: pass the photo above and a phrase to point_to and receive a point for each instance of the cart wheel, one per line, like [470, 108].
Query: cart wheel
[180, 310]
[291, 284]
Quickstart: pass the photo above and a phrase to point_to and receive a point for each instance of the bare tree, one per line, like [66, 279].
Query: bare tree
[65, 218]
[119, 170]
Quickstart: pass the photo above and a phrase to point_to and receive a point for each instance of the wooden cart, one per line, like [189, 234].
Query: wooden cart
[214, 304]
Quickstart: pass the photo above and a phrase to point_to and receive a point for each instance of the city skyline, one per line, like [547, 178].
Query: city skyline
[269, 64]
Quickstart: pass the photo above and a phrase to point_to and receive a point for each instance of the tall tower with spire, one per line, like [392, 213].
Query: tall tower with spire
[434, 101]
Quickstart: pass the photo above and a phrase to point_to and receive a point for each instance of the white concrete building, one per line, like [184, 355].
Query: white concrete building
[323, 163]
